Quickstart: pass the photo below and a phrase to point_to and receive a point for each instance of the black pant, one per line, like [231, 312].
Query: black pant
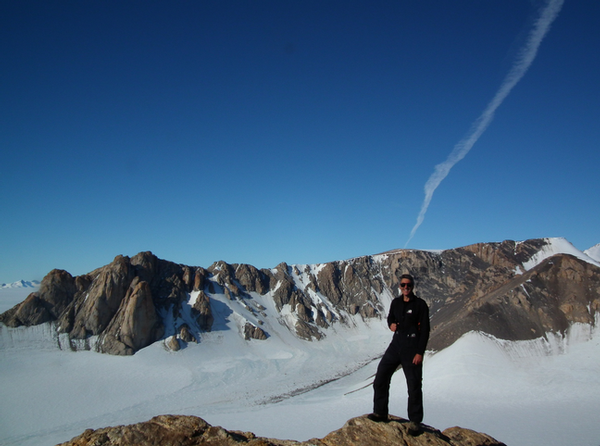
[399, 354]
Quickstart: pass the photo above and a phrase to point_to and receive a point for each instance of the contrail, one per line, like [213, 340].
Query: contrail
[521, 65]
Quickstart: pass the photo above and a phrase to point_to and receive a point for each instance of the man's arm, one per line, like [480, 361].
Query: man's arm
[391, 319]
[424, 329]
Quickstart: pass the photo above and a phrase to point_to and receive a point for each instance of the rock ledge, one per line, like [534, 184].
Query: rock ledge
[179, 430]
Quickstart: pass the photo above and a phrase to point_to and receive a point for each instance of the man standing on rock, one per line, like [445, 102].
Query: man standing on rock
[409, 320]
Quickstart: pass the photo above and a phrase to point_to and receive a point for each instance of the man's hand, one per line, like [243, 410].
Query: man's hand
[393, 326]
[418, 359]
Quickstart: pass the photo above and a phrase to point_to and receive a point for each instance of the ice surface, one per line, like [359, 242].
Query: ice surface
[532, 392]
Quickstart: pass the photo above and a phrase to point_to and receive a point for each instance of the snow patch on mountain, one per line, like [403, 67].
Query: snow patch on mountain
[593, 252]
[554, 246]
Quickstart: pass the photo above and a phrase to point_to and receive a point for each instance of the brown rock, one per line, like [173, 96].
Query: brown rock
[187, 278]
[164, 430]
[186, 335]
[56, 292]
[136, 325]
[103, 298]
[32, 311]
[252, 279]
[284, 288]
[193, 431]
[307, 331]
[467, 437]
[200, 276]
[202, 311]
[172, 343]
[225, 275]
[251, 331]
[328, 280]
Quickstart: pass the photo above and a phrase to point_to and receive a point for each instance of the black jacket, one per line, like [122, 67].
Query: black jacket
[412, 322]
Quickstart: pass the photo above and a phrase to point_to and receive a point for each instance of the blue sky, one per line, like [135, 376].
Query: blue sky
[299, 131]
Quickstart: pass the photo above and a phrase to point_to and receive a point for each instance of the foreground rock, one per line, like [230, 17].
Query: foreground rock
[193, 431]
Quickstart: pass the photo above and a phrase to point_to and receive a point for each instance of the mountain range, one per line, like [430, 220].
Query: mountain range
[511, 290]
[21, 284]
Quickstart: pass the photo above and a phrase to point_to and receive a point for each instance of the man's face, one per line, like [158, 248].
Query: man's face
[406, 287]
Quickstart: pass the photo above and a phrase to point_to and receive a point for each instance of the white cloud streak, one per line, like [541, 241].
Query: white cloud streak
[522, 63]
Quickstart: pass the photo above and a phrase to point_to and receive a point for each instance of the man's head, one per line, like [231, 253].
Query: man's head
[407, 283]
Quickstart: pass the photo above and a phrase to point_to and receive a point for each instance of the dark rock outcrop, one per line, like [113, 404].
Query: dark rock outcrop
[202, 311]
[193, 431]
[95, 309]
[136, 324]
[251, 331]
[56, 292]
[186, 335]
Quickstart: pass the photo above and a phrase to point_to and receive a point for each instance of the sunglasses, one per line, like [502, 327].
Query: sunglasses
[406, 284]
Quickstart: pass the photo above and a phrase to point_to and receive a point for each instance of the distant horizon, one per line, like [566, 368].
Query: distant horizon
[24, 284]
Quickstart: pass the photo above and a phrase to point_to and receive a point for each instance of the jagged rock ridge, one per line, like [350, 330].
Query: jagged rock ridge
[194, 431]
[497, 288]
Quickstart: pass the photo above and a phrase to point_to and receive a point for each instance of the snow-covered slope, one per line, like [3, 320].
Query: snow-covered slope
[533, 392]
[593, 252]
[558, 245]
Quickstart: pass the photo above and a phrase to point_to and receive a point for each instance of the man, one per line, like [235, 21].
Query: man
[409, 320]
